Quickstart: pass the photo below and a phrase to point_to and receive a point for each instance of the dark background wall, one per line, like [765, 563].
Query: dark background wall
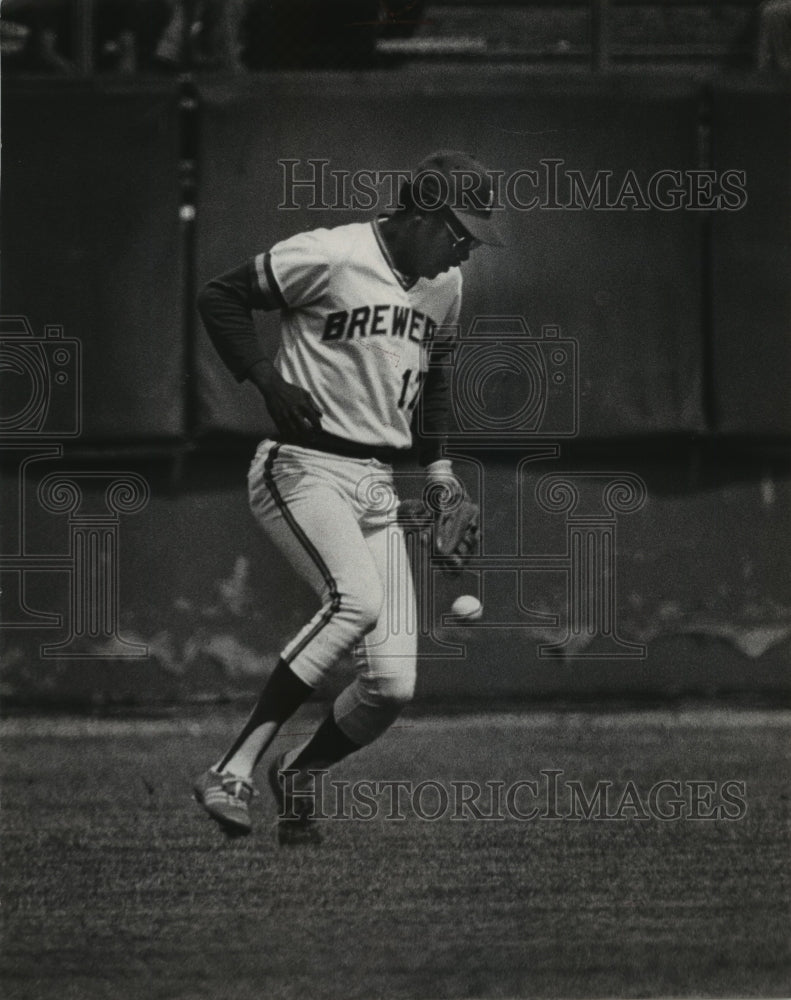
[637, 310]
[91, 242]
[682, 321]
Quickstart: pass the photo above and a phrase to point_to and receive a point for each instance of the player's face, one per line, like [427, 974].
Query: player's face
[441, 243]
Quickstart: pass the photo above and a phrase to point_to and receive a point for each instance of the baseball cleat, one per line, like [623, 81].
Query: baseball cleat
[226, 797]
[294, 822]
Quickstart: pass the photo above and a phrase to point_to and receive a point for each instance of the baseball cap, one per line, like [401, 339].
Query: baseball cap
[461, 184]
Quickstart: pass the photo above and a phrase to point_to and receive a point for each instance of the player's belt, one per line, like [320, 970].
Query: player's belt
[334, 445]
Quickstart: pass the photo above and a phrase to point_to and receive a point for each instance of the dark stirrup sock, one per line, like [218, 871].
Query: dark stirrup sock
[283, 693]
[328, 745]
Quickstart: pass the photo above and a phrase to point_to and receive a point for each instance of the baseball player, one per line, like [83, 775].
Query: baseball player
[363, 308]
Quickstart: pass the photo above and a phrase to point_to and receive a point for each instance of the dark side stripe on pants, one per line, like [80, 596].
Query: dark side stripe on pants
[305, 542]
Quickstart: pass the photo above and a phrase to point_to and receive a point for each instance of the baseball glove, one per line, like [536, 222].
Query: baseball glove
[453, 528]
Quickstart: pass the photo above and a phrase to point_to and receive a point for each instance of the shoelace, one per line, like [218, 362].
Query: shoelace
[233, 785]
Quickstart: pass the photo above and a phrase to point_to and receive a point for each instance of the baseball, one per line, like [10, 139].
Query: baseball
[467, 607]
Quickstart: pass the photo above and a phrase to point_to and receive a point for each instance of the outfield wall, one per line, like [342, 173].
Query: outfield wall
[701, 583]
[681, 318]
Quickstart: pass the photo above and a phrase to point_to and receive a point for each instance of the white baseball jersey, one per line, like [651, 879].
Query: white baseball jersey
[355, 333]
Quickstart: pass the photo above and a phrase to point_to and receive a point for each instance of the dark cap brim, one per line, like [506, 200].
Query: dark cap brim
[482, 227]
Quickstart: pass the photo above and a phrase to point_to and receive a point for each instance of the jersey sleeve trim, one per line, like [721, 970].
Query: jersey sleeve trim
[267, 282]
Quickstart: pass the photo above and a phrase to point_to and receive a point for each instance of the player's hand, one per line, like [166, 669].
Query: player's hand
[293, 410]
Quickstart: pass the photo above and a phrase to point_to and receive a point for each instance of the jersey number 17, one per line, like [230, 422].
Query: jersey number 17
[406, 389]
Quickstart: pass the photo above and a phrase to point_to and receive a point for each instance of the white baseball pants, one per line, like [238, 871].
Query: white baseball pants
[334, 519]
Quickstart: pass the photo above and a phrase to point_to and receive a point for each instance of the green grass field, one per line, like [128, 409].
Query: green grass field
[116, 886]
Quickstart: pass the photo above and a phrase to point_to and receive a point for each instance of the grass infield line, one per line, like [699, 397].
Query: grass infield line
[76, 727]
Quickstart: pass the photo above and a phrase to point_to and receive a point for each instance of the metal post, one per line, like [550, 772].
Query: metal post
[82, 26]
[600, 35]
[189, 123]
